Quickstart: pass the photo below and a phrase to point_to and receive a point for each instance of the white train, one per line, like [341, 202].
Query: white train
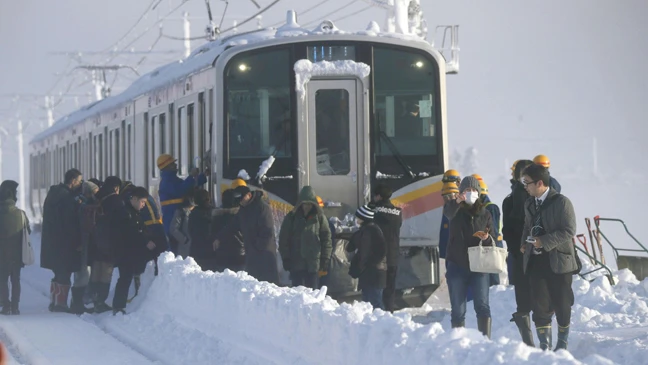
[338, 111]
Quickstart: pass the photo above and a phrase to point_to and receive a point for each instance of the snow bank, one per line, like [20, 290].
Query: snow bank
[305, 70]
[233, 317]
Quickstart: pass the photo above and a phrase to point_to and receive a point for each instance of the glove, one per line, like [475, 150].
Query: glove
[322, 273]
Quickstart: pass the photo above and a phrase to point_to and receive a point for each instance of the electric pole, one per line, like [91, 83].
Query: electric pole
[187, 34]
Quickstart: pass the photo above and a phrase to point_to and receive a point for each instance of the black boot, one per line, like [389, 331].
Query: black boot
[458, 325]
[6, 309]
[103, 290]
[523, 323]
[77, 306]
[544, 337]
[14, 308]
[484, 326]
[563, 335]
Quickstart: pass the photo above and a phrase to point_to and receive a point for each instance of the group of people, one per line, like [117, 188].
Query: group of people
[538, 225]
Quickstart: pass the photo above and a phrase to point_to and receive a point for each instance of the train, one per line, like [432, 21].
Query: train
[288, 107]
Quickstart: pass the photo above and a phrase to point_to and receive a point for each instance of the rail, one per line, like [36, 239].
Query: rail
[616, 250]
[602, 267]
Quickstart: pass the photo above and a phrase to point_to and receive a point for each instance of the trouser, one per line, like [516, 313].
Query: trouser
[389, 293]
[101, 272]
[62, 277]
[126, 275]
[522, 285]
[550, 292]
[459, 279]
[373, 296]
[304, 278]
[13, 275]
[184, 249]
[82, 277]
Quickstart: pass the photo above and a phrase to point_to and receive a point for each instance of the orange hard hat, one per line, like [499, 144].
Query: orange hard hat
[483, 187]
[477, 176]
[165, 160]
[514, 164]
[451, 175]
[449, 188]
[542, 160]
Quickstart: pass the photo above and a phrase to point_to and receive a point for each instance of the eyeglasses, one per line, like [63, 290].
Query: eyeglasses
[527, 183]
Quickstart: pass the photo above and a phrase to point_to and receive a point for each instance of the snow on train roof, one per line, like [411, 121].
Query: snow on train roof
[201, 58]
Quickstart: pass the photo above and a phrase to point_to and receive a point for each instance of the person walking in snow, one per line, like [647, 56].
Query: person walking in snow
[254, 221]
[512, 227]
[173, 189]
[179, 230]
[549, 254]
[13, 223]
[390, 219]
[468, 217]
[132, 246]
[88, 207]
[369, 264]
[305, 241]
[61, 246]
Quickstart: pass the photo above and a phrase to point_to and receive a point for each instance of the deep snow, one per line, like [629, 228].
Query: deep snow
[188, 316]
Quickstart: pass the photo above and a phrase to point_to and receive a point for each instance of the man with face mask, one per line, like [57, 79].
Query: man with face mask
[173, 189]
[61, 245]
[468, 217]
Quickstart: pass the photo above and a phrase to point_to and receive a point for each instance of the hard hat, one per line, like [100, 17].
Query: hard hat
[451, 175]
[449, 188]
[478, 177]
[165, 160]
[542, 160]
[237, 182]
[484, 187]
[514, 164]
[320, 202]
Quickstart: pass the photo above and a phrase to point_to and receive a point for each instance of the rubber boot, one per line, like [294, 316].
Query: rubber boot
[77, 307]
[6, 309]
[53, 287]
[14, 308]
[103, 290]
[484, 326]
[61, 298]
[563, 335]
[523, 323]
[544, 337]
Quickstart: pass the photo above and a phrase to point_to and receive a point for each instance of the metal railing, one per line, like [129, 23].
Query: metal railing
[602, 267]
[616, 250]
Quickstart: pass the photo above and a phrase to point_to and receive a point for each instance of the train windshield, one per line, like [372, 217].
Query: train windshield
[407, 118]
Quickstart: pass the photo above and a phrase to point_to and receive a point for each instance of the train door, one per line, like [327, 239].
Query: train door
[331, 144]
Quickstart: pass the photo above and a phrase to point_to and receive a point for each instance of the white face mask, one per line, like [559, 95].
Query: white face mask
[471, 197]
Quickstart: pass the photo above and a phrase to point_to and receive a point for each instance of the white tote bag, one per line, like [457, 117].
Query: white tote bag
[27, 250]
[487, 259]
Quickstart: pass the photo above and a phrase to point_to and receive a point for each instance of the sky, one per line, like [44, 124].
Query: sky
[562, 78]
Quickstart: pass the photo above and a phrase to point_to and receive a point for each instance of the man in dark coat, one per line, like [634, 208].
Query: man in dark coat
[257, 227]
[390, 219]
[132, 245]
[13, 222]
[61, 238]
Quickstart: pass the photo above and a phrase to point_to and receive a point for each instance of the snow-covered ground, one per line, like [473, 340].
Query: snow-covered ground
[188, 316]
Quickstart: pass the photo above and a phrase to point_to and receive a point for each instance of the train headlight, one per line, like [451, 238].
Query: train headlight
[243, 67]
[419, 64]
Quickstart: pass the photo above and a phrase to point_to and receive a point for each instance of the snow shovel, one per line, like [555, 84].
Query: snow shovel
[583, 241]
[138, 283]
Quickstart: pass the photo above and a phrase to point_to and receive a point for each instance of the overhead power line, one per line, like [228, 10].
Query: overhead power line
[306, 11]
[146, 11]
[323, 17]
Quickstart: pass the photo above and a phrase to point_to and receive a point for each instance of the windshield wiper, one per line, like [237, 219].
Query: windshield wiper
[394, 150]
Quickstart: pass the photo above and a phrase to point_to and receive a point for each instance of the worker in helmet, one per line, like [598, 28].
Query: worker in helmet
[513, 168]
[451, 180]
[496, 230]
[324, 279]
[544, 161]
[237, 182]
[173, 189]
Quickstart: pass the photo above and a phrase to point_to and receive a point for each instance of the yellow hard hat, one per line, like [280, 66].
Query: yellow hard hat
[449, 188]
[165, 160]
[542, 160]
[478, 177]
[451, 175]
[484, 187]
[514, 164]
[238, 182]
[320, 202]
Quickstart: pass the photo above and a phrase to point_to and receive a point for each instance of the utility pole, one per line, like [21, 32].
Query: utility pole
[50, 111]
[187, 34]
[99, 77]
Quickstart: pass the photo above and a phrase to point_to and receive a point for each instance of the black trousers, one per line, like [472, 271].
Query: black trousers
[120, 298]
[62, 277]
[7, 273]
[522, 286]
[304, 278]
[550, 292]
[389, 293]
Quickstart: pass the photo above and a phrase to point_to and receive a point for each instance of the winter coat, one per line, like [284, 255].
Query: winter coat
[465, 220]
[372, 252]
[559, 223]
[180, 229]
[129, 247]
[61, 235]
[172, 192]
[444, 236]
[256, 225]
[553, 183]
[494, 210]
[390, 219]
[11, 235]
[231, 252]
[154, 226]
[513, 218]
[305, 240]
[107, 227]
[89, 209]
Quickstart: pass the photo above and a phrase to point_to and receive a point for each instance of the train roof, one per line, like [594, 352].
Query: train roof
[203, 57]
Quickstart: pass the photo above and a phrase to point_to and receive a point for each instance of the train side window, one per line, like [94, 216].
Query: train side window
[332, 132]
[117, 156]
[189, 139]
[122, 150]
[162, 135]
[128, 152]
[154, 147]
[101, 158]
[179, 141]
[258, 105]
